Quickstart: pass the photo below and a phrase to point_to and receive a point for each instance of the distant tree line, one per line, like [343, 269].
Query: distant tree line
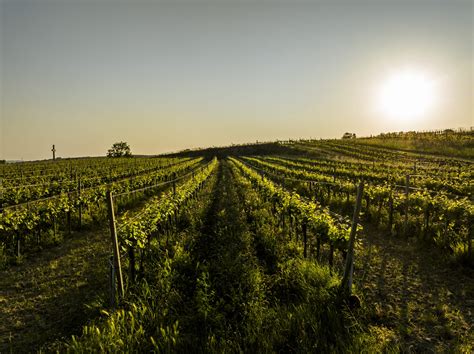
[441, 133]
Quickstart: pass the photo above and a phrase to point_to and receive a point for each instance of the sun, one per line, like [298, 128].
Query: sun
[406, 94]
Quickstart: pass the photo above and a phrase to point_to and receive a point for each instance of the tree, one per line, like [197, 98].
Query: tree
[120, 149]
[349, 136]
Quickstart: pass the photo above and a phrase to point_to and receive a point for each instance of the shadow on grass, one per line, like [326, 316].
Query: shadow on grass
[417, 293]
[54, 294]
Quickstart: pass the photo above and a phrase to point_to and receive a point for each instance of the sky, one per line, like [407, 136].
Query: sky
[165, 76]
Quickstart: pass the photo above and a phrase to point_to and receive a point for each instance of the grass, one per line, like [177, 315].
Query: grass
[424, 300]
[54, 293]
[229, 277]
[221, 283]
[451, 145]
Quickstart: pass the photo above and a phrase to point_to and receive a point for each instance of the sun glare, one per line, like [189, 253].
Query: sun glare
[406, 94]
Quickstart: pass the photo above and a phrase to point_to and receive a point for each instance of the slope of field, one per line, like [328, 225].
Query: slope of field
[247, 252]
[448, 142]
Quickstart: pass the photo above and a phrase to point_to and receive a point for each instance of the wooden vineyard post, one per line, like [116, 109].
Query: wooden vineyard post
[289, 224]
[427, 222]
[132, 262]
[68, 214]
[390, 212]
[348, 270]
[79, 187]
[113, 233]
[68, 217]
[305, 239]
[54, 226]
[112, 282]
[18, 245]
[407, 192]
[469, 239]
[367, 206]
[331, 254]
[174, 183]
[318, 247]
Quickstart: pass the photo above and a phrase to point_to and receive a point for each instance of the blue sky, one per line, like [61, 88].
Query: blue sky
[165, 76]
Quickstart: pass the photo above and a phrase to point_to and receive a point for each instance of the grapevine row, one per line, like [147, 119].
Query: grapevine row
[28, 193]
[27, 223]
[136, 230]
[438, 217]
[327, 228]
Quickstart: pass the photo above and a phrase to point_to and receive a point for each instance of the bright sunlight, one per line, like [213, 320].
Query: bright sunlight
[406, 94]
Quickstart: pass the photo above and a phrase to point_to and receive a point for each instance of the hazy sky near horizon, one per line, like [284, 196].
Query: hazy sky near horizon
[165, 76]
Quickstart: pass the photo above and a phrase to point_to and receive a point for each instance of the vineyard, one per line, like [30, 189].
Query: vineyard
[297, 246]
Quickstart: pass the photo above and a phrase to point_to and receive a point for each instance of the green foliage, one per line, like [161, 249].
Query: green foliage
[434, 213]
[120, 149]
[32, 222]
[221, 264]
[446, 142]
[349, 136]
[141, 326]
[324, 225]
[210, 290]
[136, 230]
[300, 281]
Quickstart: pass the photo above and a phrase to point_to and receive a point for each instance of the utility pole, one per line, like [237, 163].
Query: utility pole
[54, 152]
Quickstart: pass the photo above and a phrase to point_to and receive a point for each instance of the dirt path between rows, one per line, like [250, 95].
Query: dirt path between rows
[420, 301]
[54, 293]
